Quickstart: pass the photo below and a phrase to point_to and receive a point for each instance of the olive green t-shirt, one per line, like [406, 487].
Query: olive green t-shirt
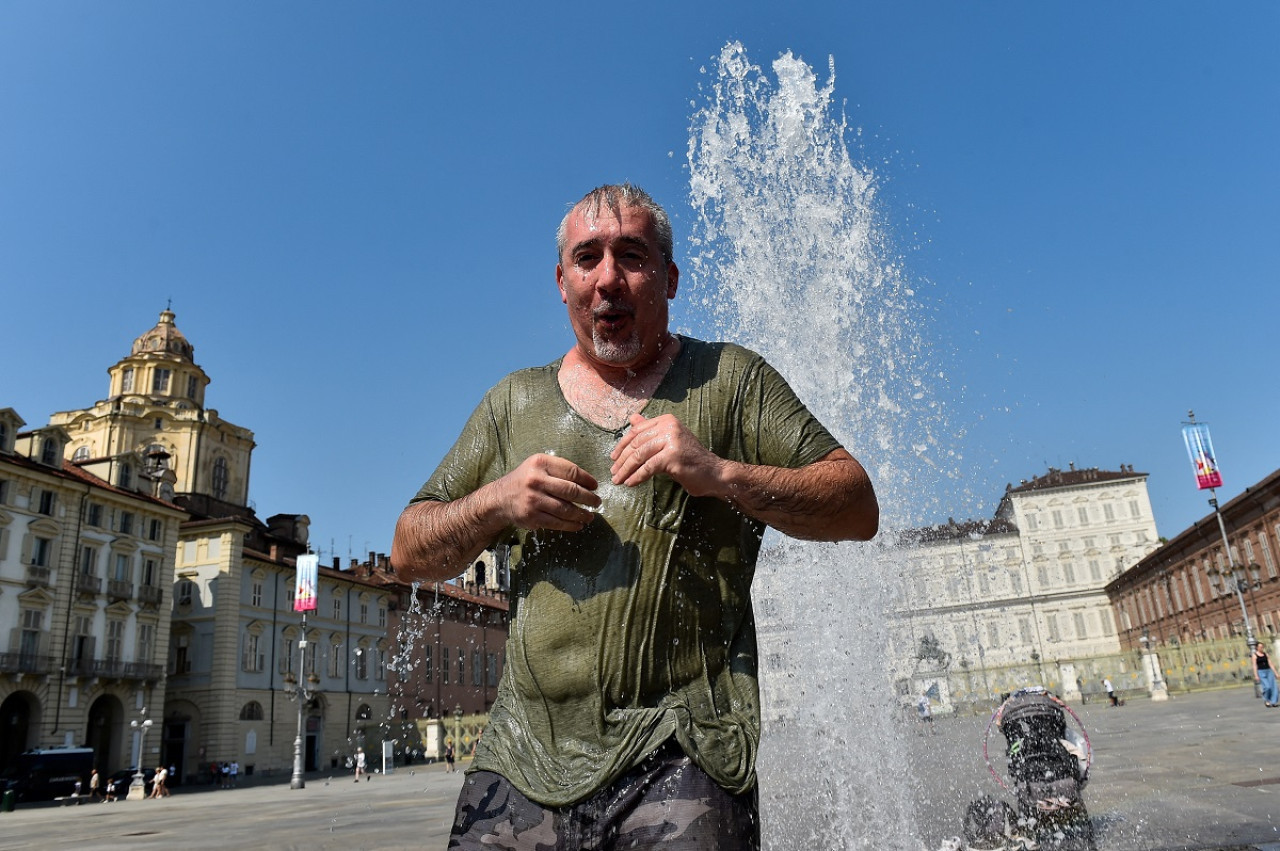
[638, 628]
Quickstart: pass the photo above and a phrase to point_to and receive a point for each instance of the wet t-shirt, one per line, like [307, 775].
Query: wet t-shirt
[638, 628]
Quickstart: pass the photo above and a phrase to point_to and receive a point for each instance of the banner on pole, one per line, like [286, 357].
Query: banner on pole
[304, 593]
[1200, 450]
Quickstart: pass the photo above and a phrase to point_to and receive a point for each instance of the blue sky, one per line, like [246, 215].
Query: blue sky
[352, 209]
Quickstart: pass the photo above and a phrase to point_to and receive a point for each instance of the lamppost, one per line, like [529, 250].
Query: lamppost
[304, 600]
[457, 731]
[138, 787]
[302, 695]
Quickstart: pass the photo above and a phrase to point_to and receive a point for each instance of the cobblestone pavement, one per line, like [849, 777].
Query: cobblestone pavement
[1197, 772]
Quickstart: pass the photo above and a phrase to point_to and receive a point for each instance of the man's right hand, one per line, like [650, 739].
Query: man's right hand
[547, 492]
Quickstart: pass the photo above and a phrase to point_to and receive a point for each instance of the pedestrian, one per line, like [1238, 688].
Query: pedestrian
[360, 765]
[215, 773]
[633, 478]
[1110, 690]
[158, 788]
[226, 775]
[1264, 675]
[111, 790]
[95, 785]
[448, 758]
[235, 772]
[925, 715]
[172, 776]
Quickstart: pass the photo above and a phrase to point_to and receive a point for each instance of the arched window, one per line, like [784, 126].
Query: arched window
[82, 454]
[220, 478]
[49, 452]
[251, 711]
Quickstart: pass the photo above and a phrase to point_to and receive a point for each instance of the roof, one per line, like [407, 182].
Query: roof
[1072, 477]
[73, 472]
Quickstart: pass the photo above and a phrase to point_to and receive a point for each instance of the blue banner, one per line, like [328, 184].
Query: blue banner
[304, 593]
[1200, 449]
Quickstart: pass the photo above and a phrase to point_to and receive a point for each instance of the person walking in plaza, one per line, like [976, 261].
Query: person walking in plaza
[1264, 675]
[633, 479]
[95, 786]
[361, 762]
[158, 788]
[235, 773]
[448, 758]
[925, 715]
[1110, 690]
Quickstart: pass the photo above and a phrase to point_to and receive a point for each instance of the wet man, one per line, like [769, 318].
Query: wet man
[633, 479]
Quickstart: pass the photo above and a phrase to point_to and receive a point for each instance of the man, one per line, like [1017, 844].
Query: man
[633, 479]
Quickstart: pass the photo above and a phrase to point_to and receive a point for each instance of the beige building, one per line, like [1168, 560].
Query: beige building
[1027, 586]
[85, 572]
[228, 649]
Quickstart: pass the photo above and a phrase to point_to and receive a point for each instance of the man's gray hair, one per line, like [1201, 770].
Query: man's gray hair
[615, 197]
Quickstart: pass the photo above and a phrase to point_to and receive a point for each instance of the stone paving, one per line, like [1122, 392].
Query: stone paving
[1198, 772]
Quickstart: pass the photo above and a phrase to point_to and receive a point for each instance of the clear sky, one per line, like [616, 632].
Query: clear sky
[352, 205]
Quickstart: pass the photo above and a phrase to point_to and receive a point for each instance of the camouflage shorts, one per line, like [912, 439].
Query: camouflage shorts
[666, 801]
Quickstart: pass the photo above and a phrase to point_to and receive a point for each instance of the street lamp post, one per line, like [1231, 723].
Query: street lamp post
[138, 787]
[1236, 574]
[302, 695]
[457, 731]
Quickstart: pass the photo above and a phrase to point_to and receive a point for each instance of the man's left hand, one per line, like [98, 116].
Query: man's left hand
[664, 445]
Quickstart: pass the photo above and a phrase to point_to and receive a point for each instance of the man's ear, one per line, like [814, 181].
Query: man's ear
[673, 280]
[564, 299]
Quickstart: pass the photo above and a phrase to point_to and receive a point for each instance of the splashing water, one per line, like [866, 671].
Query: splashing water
[791, 258]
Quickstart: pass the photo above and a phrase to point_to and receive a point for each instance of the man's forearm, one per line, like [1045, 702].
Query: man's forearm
[829, 500]
[435, 541]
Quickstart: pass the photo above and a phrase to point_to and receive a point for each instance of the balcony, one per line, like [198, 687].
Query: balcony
[88, 584]
[37, 576]
[25, 663]
[150, 594]
[115, 669]
[119, 589]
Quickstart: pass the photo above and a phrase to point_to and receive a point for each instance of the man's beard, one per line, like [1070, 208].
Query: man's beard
[616, 351]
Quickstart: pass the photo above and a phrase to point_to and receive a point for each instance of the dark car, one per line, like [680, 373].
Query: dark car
[48, 773]
[123, 779]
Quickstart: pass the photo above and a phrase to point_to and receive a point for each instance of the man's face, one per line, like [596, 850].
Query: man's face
[616, 285]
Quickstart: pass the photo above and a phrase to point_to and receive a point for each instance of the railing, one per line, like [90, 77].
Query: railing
[149, 594]
[115, 669]
[119, 589]
[37, 576]
[25, 663]
[87, 584]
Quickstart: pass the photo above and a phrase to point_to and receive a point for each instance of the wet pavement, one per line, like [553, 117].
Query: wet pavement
[1197, 772]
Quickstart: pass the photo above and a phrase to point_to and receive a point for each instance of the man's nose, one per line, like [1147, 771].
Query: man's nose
[608, 272]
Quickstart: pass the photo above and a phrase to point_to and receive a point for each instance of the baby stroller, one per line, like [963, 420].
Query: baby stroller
[1048, 767]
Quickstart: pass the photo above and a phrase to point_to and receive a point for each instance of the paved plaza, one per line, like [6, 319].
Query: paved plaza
[1197, 772]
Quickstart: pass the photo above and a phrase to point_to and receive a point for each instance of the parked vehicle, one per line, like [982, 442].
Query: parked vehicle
[49, 773]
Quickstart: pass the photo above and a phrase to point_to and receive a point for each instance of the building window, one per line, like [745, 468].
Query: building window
[155, 529]
[149, 572]
[335, 659]
[1108, 511]
[41, 548]
[48, 501]
[1082, 513]
[186, 592]
[122, 568]
[126, 522]
[88, 560]
[1095, 570]
[29, 640]
[146, 637]
[462, 666]
[337, 607]
[1052, 623]
[160, 380]
[364, 612]
[115, 640]
[1057, 519]
[379, 664]
[493, 669]
[124, 478]
[444, 665]
[286, 654]
[1068, 573]
[382, 616]
[220, 478]
[191, 387]
[427, 668]
[476, 671]
[126, 380]
[1081, 632]
[252, 661]
[81, 454]
[49, 452]
[93, 514]
[1266, 554]
[251, 711]
[362, 663]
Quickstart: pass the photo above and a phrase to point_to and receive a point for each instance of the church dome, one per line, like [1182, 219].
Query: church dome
[164, 338]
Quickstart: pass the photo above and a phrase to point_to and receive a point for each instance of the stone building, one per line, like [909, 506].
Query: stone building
[1027, 587]
[1187, 591]
[85, 571]
[224, 625]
